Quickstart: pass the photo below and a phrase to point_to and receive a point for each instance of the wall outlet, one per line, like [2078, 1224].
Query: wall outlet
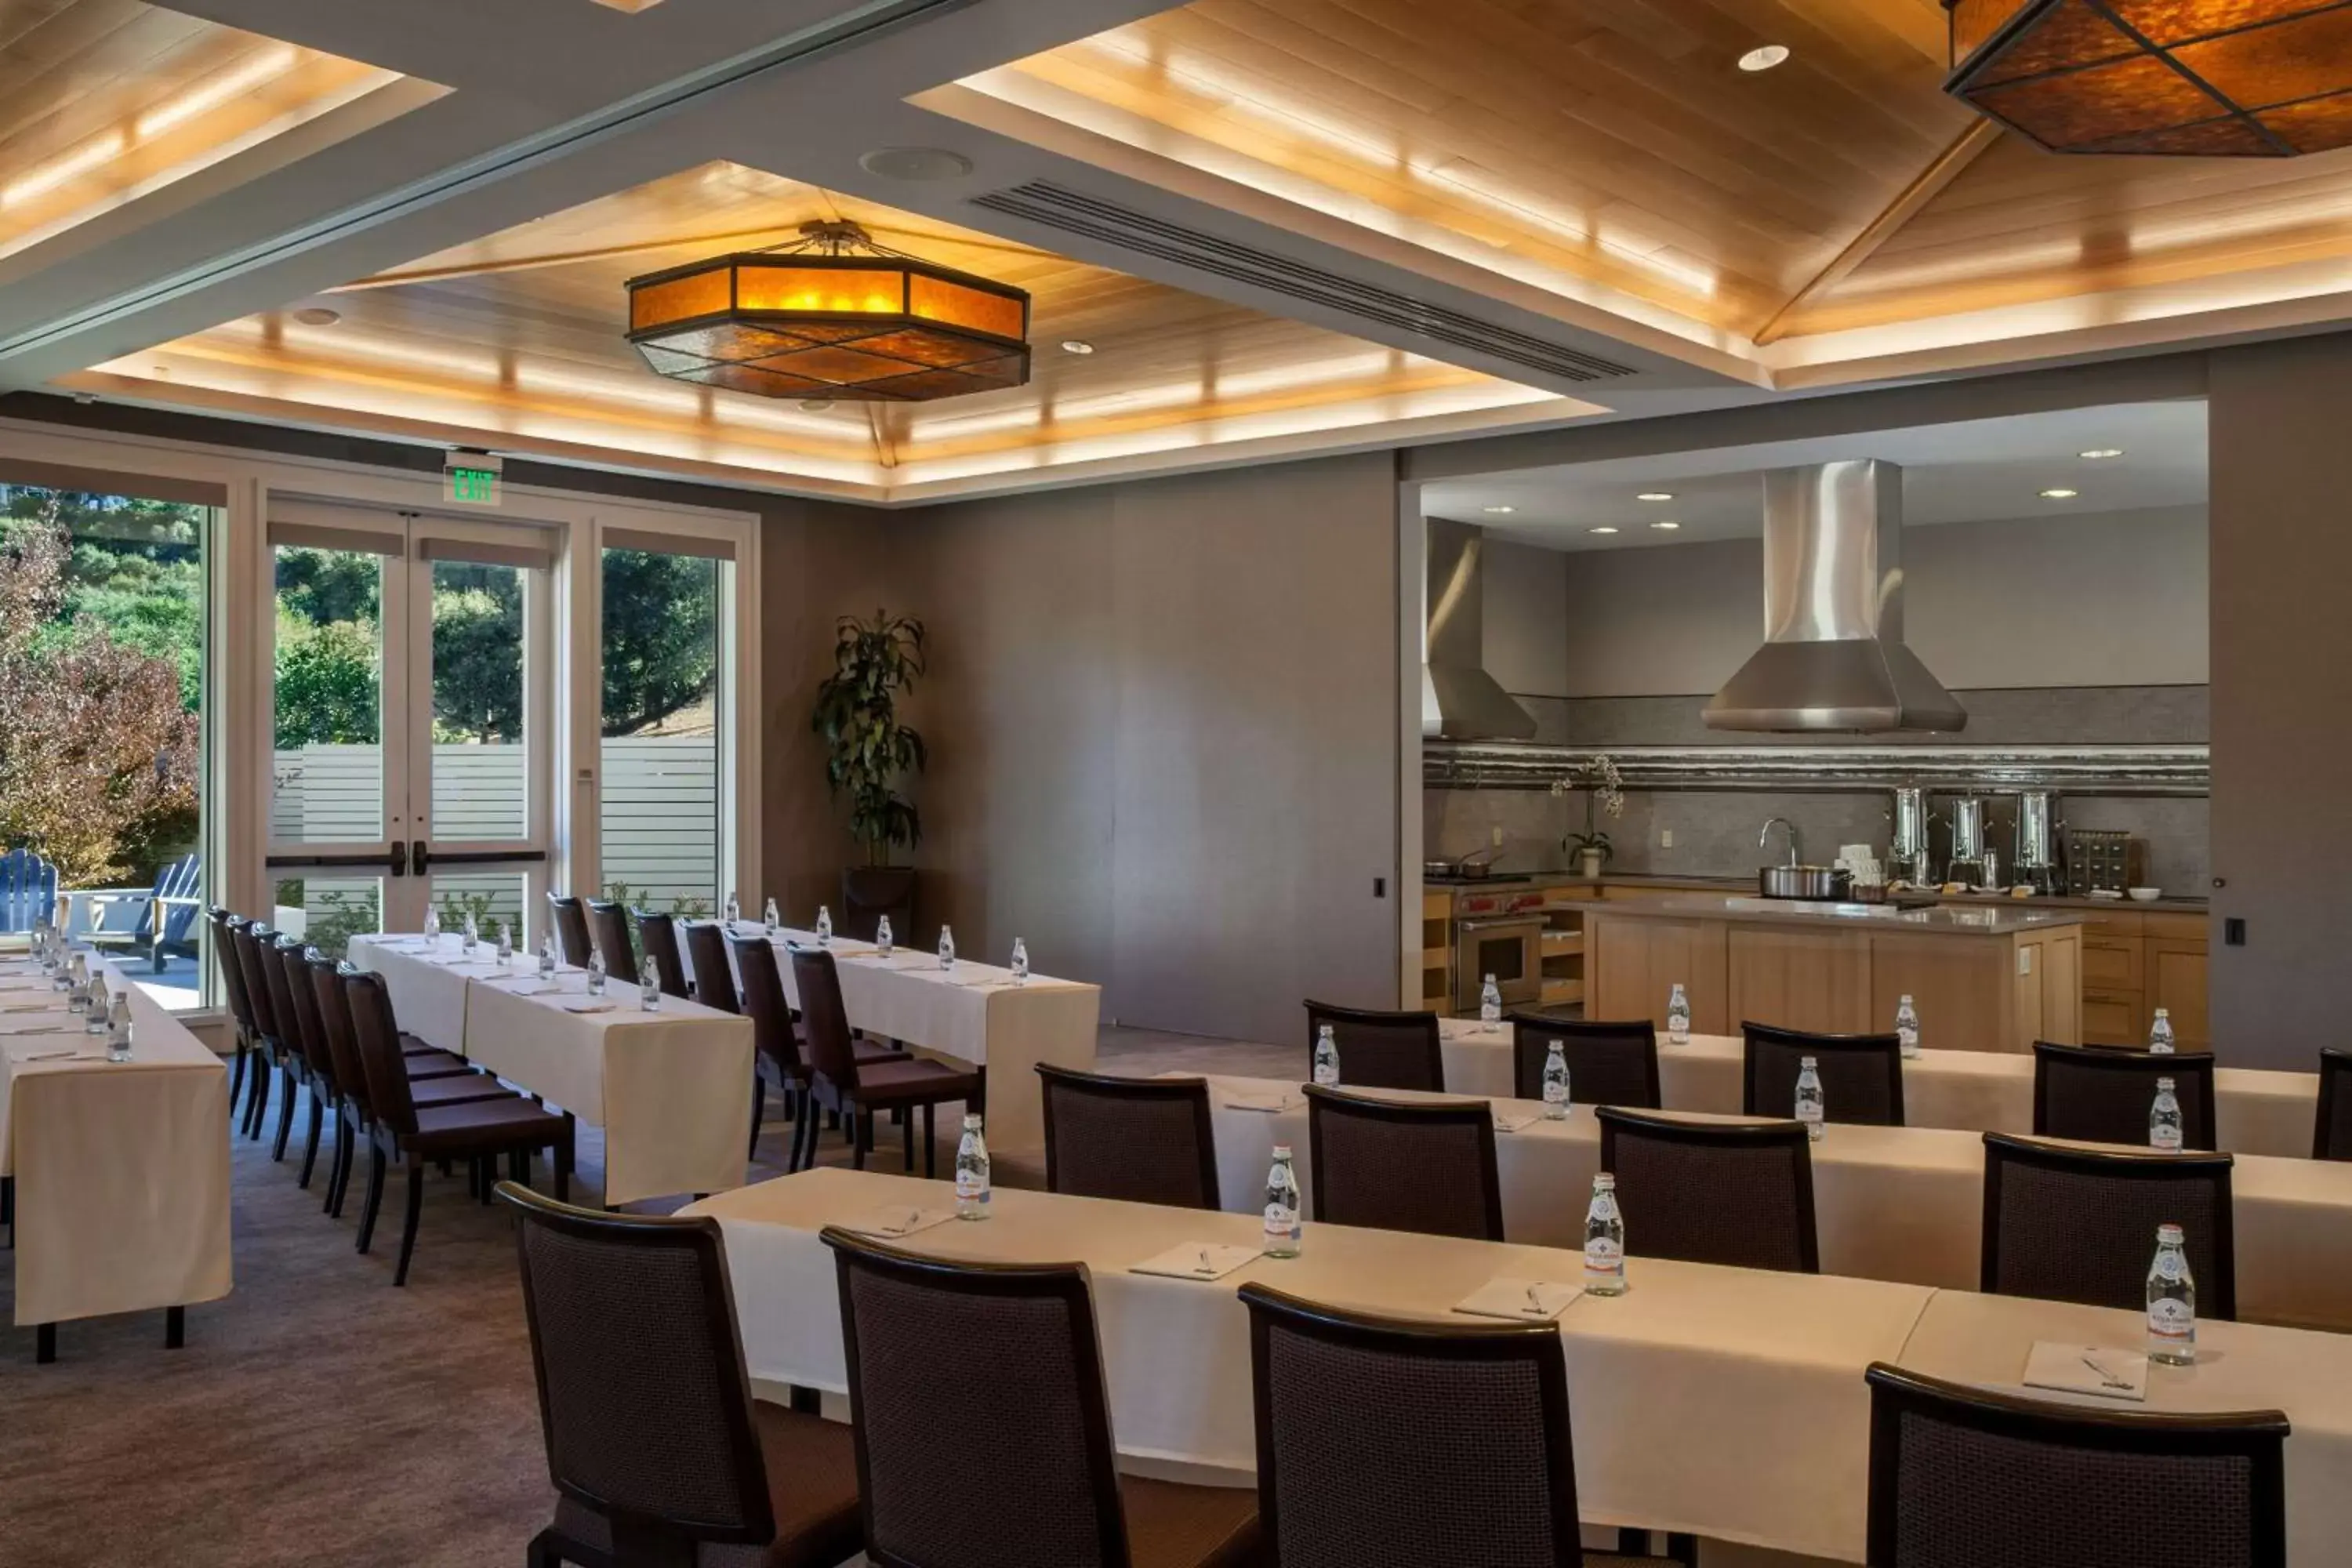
[1498, 836]
[2025, 961]
[1665, 838]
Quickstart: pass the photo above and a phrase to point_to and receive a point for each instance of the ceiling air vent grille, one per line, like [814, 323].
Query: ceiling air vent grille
[1051, 206]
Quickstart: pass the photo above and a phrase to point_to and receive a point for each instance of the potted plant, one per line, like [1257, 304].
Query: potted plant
[1604, 790]
[867, 750]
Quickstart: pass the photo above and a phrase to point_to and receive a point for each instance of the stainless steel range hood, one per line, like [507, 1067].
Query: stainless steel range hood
[1833, 657]
[1459, 700]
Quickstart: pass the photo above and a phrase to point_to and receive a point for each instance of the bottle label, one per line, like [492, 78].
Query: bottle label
[1281, 1222]
[1554, 1091]
[1326, 1073]
[972, 1187]
[2164, 1138]
[2171, 1319]
[1604, 1255]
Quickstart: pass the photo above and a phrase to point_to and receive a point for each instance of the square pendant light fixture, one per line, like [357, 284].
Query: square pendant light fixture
[2232, 79]
[835, 316]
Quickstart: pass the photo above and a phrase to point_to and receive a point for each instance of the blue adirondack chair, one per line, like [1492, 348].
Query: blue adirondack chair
[158, 922]
[28, 889]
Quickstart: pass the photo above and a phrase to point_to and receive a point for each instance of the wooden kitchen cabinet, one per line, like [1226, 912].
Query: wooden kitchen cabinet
[2135, 961]
[2176, 982]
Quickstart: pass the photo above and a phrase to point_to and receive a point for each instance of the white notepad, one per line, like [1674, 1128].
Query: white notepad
[896, 1221]
[1200, 1260]
[1512, 1120]
[1520, 1300]
[1270, 1103]
[590, 1004]
[2087, 1369]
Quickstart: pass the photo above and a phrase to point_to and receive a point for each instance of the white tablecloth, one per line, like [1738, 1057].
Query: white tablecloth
[2255, 1111]
[1723, 1402]
[671, 1089]
[972, 1014]
[1889, 1203]
[122, 1169]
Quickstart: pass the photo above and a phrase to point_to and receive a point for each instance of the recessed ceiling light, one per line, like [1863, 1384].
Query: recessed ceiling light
[817, 405]
[1655, 495]
[1764, 59]
[916, 163]
[1499, 511]
[1604, 528]
[2060, 494]
[1667, 527]
[1076, 346]
[317, 316]
[2096, 453]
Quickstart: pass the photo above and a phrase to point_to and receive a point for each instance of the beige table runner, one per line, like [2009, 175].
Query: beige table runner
[2256, 1112]
[1890, 1203]
[1722, 1402]
[122, 1169]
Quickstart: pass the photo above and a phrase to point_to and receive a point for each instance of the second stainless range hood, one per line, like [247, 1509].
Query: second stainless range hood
[1459, 700]
[1833, 658]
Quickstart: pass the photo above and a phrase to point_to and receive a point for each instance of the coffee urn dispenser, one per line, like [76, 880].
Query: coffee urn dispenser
[2037, 862]
[1973, 861]
[1906, 856]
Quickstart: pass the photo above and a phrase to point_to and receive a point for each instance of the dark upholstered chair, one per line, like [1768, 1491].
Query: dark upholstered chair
[608, 928]
[714, 981]
[246, 941]
[657, 935]
[984, 1433]
[1862, 1075]
[855, 1086]
[1386, 1443]
[1607, 1064]
[513, 1127]
[1380, 1051]
[297, 1008]
[1714, 1191]
[658, 1453]
[2079, 1225]
[2331, 1138]
[1964, 1477]
[777, 1057]
[285, 1045]
[1425, 1166]
[571, 940]
[1143, 1140]
[2098, 1094]
[232, 992]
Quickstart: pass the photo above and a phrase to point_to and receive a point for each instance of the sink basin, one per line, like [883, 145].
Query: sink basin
[1799, 883]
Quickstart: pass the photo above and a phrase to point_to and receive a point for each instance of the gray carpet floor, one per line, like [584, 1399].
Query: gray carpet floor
[318, 1415]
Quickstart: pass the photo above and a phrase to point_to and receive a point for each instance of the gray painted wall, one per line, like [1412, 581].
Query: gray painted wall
[1164, 736]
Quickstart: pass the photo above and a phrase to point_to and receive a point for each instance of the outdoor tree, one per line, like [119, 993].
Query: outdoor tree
[476, 653]
[661, 635]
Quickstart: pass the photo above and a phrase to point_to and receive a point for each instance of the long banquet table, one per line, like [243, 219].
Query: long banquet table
[1890, 1203]
[2256, 1112]
[974, 1013]
[1726, 1403]
[671, 1089]
[122, 1169]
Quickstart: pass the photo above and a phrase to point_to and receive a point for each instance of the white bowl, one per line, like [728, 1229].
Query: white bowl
[2146, 895]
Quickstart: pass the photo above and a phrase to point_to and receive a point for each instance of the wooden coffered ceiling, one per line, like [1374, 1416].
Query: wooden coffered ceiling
[517, 341]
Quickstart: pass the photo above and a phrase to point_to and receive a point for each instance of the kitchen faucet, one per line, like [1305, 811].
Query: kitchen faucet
[1763, 837]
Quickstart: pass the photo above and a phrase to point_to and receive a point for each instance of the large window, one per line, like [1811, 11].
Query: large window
[102, 679]
[662, 702]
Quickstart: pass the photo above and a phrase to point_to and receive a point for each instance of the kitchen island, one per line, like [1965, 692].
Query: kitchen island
[1991, 978]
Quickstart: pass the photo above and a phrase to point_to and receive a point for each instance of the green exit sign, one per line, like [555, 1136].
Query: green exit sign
[471, 480]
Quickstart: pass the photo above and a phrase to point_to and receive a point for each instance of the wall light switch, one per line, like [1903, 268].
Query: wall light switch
[1665, 838]
[2025, 961]
[1498, 836]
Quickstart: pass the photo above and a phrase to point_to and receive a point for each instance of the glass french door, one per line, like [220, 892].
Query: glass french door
[412, 691]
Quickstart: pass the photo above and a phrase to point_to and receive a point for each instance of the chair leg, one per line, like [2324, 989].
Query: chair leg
[758, 1113]
[563, 1157]
[1682, 1549]
[175, 1327]
[861, 1137]
[408, 1222]
[803, 1151]
[346, 1147]
[285, 1109]
[542, 1551]
[931, 1144]
[907, 1140]
[311, 1139]
[236, 1071]
[375, 1203]
[257, 1095]
[335, 1159]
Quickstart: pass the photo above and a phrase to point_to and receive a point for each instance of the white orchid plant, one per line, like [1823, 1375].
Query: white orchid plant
[1604, 790]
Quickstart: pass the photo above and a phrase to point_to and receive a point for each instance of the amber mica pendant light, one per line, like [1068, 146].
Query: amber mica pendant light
[831, 315]
[2234, 78]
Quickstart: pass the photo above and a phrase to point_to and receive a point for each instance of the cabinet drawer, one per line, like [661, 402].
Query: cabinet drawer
[2112, 1020]
[2126, 924]
[2111, 965]
[2176, 928]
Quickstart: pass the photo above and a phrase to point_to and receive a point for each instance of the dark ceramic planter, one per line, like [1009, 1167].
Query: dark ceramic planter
[869, 892]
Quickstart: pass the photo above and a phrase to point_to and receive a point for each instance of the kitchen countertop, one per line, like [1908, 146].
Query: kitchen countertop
[1640, 879]
[1996, 918]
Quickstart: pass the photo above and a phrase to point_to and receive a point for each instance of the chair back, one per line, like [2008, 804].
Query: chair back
[976, 1392]
[2079, 1225]
[764, 1004]
[657, 934]
[381, 1061]
[1962, 1476]
[1380, 1050]
[1478, 1464]
[1425, 1166]
[302, 1007]
[644, 1401]
[282, 996]
[825, 1017]
[334, 1009]
[714, 982]
[225, 927]
[1862, 1075]
[2098, 1094]
[28, 889]
[1738, 1194]
[571, 930]
[608, 925]
[1607, 1064]
[246, 941]
[1142, 1140]
[2331, 1138]
[177, 886]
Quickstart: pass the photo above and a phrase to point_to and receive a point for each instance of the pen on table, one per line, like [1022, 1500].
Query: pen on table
[1206, 1266]
[2106, 1378]
[1534, 1301]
